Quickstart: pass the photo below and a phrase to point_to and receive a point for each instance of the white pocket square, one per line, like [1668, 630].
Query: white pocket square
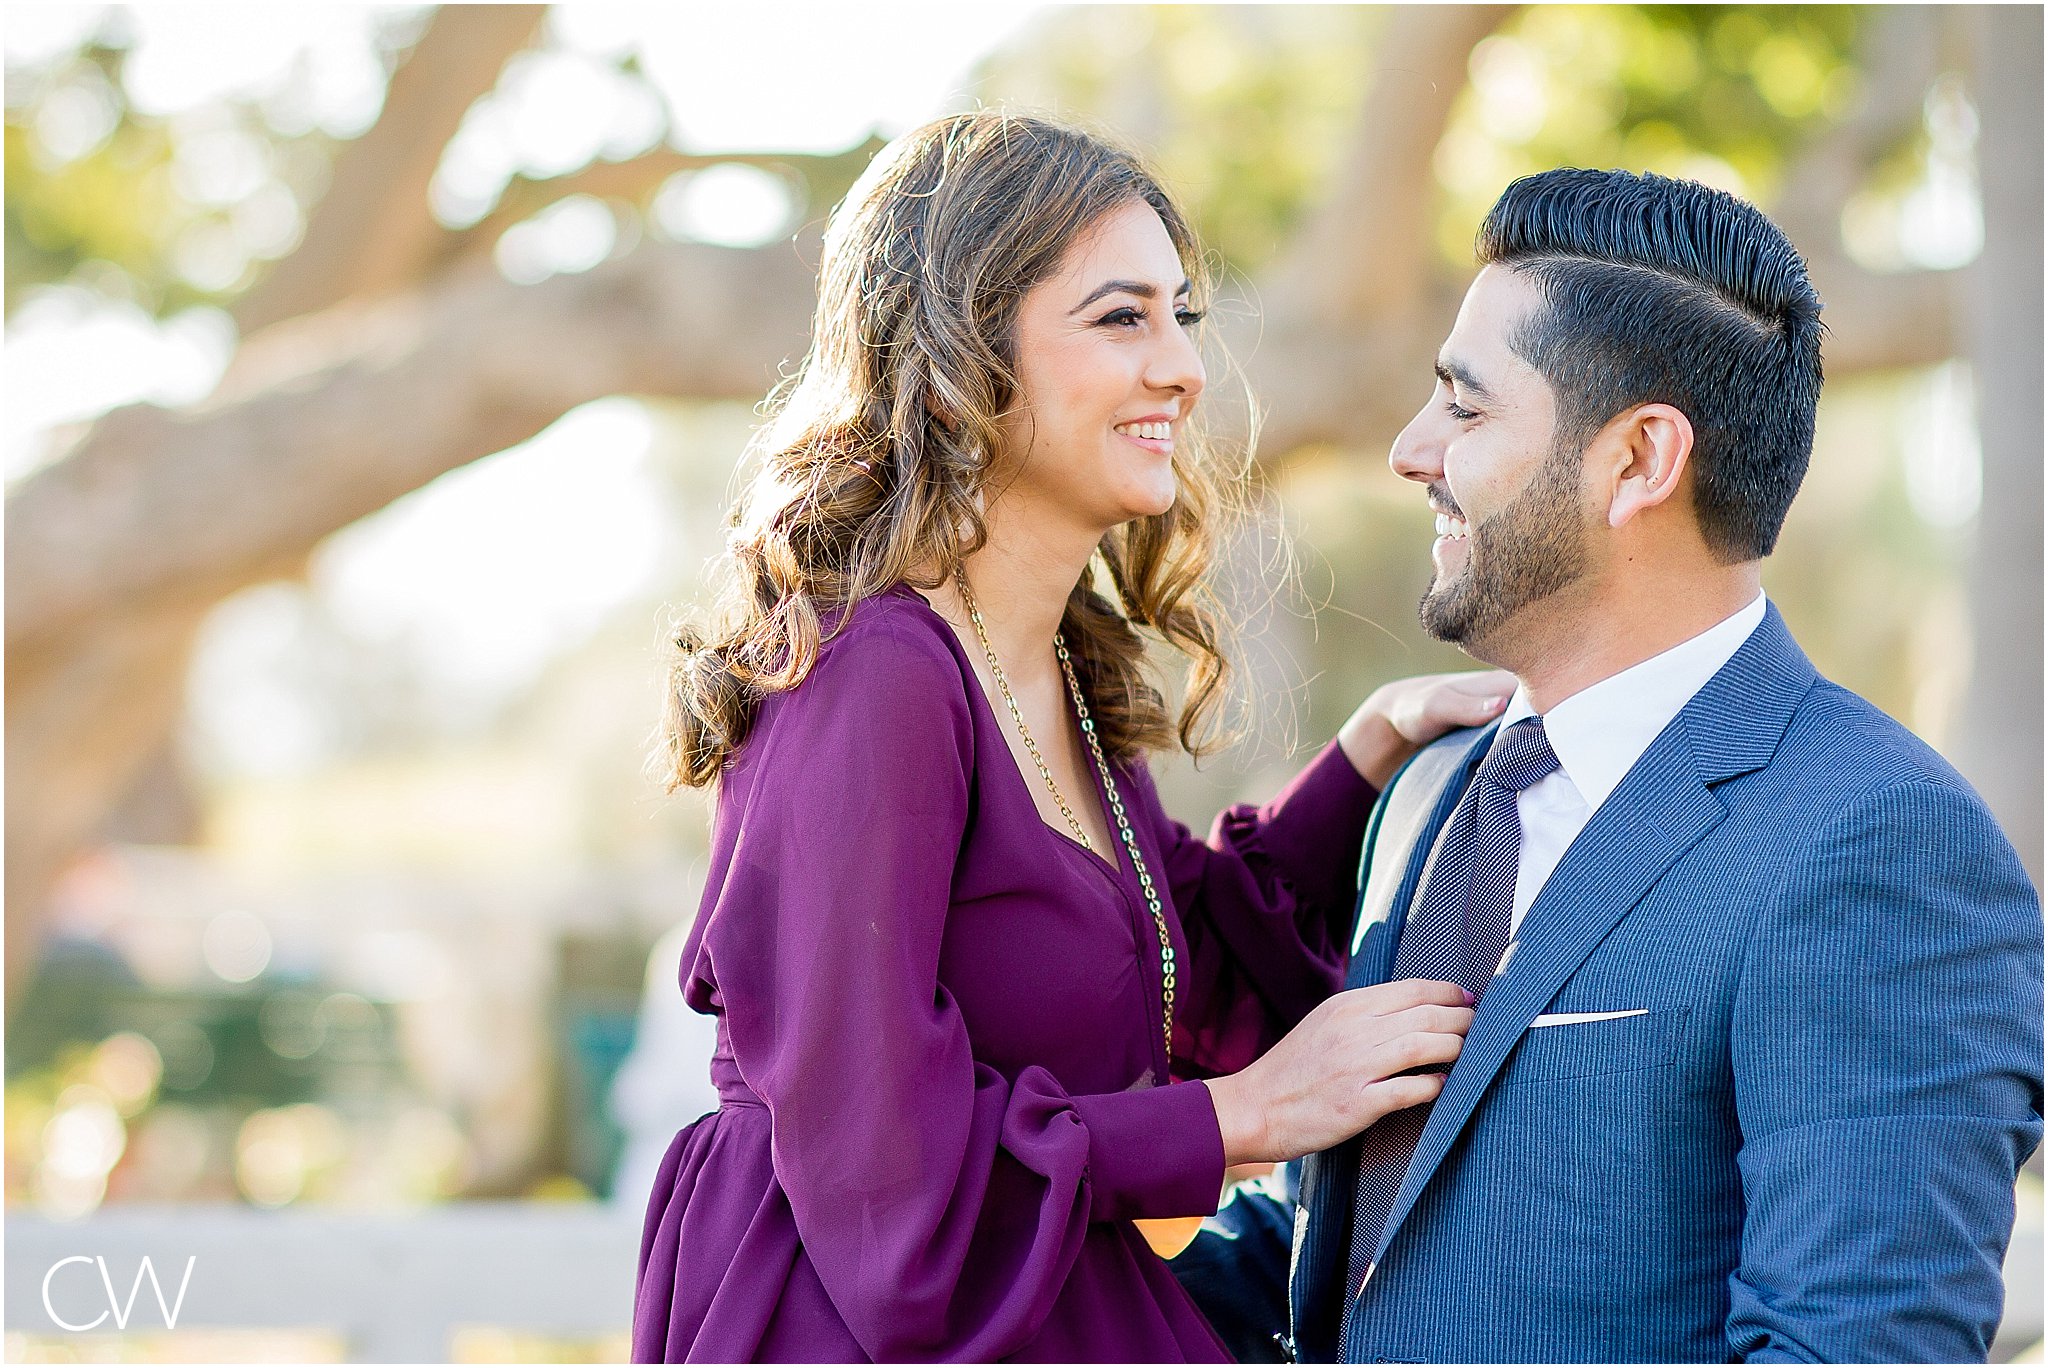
[1574, 1018]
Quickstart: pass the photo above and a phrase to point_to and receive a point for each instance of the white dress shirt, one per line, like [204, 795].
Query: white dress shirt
[1599, 733]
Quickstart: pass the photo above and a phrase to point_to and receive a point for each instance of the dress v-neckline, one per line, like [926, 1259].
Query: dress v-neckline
[1112, 864]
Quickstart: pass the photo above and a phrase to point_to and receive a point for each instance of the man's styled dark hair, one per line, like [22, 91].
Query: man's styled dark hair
[1667, 291]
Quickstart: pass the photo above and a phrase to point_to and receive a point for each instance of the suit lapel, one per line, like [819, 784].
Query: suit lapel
[1397, 845]
[1663, 808]
[1404, 834]
[1657, 814]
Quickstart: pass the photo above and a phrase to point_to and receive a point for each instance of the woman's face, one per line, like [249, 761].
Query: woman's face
[1107, 372]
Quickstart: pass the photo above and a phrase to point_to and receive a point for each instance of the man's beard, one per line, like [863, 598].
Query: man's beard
[1521, 555]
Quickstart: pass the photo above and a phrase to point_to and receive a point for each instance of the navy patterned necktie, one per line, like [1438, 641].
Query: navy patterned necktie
[1456, 934]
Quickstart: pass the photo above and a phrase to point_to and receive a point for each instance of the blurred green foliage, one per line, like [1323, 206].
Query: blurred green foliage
[216, 1056]
[1724, 93]
[108, 203]
[1244, 109]
[91, 191]
[111, 197]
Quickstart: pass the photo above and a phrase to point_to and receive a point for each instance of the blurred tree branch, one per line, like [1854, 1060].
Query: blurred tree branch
[386, 351]
[1366, 252]
[370, 233]
[334, 416]
[1876, 321]
[1900, 46]
[636, 179]
[1360, 292]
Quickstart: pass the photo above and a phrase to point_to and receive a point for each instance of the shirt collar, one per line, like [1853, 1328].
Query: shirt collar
[1600, 732]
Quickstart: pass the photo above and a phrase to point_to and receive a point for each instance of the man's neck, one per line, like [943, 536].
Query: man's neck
[1576, 646]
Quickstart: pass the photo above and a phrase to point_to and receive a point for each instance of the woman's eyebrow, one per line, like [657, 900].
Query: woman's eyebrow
[1140, 288]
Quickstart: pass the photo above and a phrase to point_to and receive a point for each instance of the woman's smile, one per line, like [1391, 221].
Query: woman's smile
[1153, 434]
[1105, 347]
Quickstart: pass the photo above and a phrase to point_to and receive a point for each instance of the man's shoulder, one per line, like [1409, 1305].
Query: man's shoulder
[1425, 773]
[1846, 775]
[1842, 745]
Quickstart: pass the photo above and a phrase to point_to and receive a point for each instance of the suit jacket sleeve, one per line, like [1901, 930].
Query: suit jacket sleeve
[1886, 1049]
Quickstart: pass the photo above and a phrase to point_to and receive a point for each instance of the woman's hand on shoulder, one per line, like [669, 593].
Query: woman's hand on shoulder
[1400, 718]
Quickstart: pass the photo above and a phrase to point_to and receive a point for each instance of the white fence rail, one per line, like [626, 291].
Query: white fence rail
[393, 1287]
[397, 1288]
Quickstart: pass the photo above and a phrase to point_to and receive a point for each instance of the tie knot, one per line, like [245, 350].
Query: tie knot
[1520, 756]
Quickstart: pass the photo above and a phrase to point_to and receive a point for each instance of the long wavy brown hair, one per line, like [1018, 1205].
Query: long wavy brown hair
[873, 467]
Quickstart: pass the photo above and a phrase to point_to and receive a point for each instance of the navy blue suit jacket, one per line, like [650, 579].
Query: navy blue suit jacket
[1804, 1146]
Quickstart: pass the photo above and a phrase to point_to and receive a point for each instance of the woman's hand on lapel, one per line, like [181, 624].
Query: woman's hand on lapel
[1344, 1067]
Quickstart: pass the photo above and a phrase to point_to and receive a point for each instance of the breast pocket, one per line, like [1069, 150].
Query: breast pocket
[1584, 1049]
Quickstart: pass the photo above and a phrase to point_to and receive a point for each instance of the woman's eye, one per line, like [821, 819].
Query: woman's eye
[1122, 318]
[1187, 318]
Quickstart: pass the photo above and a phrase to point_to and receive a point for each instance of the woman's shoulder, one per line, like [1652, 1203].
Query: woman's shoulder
[891, 648]
[896, 623]
[885, 690]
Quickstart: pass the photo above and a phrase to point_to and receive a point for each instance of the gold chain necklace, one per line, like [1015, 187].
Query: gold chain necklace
[1116, 804]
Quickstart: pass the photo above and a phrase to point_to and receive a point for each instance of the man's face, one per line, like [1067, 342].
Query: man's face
[1511, 517]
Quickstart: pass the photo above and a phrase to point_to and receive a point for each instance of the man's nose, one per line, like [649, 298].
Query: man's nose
[1416, 455]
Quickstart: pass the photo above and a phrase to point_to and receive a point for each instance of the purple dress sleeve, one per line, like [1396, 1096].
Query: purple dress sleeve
[941, 1203]
[1266, 905]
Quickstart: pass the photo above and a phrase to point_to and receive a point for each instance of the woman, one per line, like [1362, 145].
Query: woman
[956, 949]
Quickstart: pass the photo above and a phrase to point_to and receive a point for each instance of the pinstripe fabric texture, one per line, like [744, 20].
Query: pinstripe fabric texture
[1416, 805]
[1804, 1148]
[1457, 935]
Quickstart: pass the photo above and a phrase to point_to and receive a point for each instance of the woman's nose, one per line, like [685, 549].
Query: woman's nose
[1177, 366]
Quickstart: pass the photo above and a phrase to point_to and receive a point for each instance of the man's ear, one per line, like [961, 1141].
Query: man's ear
[1651, 449]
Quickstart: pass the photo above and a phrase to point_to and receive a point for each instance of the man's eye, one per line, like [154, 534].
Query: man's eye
[1462, 414]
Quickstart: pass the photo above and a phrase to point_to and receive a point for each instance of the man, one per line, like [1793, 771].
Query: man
[1757, 1050]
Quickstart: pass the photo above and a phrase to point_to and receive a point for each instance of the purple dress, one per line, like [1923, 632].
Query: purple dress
[943, 1091]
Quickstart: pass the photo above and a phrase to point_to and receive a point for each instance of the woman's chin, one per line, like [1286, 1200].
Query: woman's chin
[1152, 502]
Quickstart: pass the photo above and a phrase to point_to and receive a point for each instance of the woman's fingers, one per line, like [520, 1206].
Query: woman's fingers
[1401, 1092]
[1385, 999]
[1443, 1020]
[1470, 710]
[1466, 700]
[1415, 1049]
[1425, 708]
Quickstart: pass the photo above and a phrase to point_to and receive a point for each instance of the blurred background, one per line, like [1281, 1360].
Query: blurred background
[376, 381]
